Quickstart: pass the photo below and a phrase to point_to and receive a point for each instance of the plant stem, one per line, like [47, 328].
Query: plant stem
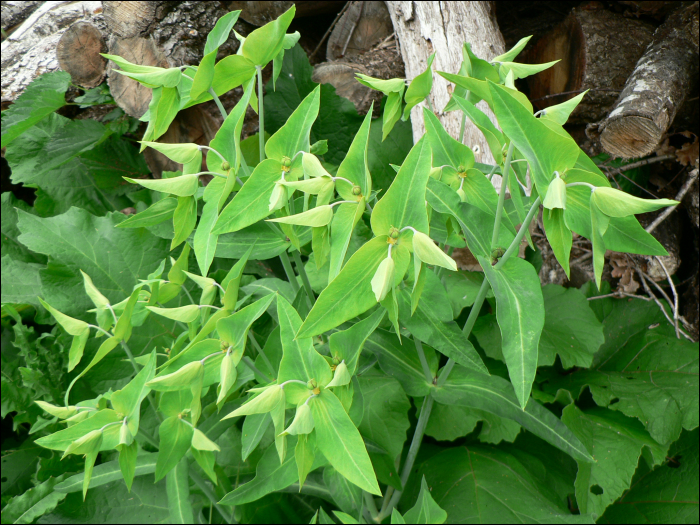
[261, 116]
[149, 396]
[515, 245]
[218, 103]
[291, 276]
[304, 278]
[202, 485]
[249, 363]
[476, 307]
[425, 410]
[423, 360]
[502, 196]
[462, 128]
[148, 438]
[371, 505]
[260, 351]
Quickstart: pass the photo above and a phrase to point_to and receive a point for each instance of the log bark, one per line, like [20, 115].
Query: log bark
[656, 90]
[362, 26]
[78, 53]
[31, 48]
[598, 50]
[442, 27]
[260, 13]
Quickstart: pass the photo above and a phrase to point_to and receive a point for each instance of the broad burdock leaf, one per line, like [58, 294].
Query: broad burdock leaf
[41, 98]
[34, 503]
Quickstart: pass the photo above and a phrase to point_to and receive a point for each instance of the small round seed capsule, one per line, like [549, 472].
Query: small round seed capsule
[286, 162]
[394, 233]
[356, 190]
[225, 166]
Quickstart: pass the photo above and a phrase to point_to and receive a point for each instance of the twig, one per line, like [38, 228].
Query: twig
[352, 29]
[575, 92]
[323, 39]
[639, 163]
[692, 177]
[675, 295]
[619, 295]
[656, 300]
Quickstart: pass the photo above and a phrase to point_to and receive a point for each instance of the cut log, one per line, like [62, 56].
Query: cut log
[129, 95]
[362, 26]
[30, 50]
[78, 53]
[656, 90]
[598, 50]
[442, 27]
[260, 13]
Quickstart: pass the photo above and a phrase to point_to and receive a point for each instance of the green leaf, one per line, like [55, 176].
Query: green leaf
[527, 132]
[342, 226]
[652, 376]
[254, 427]
[404, 202]
[204, 76]
[293, 137]
[385, 416]
[350, 293]
[559, 236]
[163, 109]
[346, 495]
[175, 440]
[270, 476]
[305, 455]
[252, 202]
[128, 464]
[446, 150]
[449, 422]
[559, 113]
[318, 216]
[62, 439]
[468, 481]
[154, 214]
[667, 494]
[107, 473]
[494, 137]
[495, 395]
[177, 486]
[354, 166]
[184, 220]
[185, 314]
[182, 186]
[41, 98]
[401, 361]
[616, 442]
[300, 360]
[340, 442]
[425, 510]
[263, 44]
[268, 401]
[445, 337]
[347, 345]
[520, 313]
[186, 377]
[512, 52]
[128, 399]
[616, 203]
[523, 70]
[34, 503]
[70, 325]
[419, 88]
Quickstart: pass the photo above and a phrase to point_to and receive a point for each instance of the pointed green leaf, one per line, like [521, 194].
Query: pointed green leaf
[318, 216]
[175, 441]
[520, 313]
[305, 454]
[446, 150]
[154, 214]
[184, 220]
[182, 186]
[425, 510]
[419, 88]
[559, 113]
[523, 70]
[616, 203]
[293, 137]
[513, 52]
[70, 325]
[254, 427]
[340, 442]
[185, 314]
[354, 166]
[493, 135]
[347, 344]
[177, 485]
[263, 44]
[495, 395]
[404, 202]
[342, 226]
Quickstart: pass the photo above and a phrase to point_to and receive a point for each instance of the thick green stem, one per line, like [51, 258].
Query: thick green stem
[247, 361]
[502, 196]
[202, 485]
[371, 505]
[423, 360]
[304, 278]
[218, 103]
[291, 276]
[425, 410]
[261, 116]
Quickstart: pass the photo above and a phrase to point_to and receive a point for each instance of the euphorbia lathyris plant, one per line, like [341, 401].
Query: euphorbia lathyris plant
[312, 366]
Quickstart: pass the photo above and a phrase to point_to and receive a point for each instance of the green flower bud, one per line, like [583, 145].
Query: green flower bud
[383, 278]
[89, 443]
[341, 377]
[356, 190]
[427, 251]
[179, 380]
[303, 422]
[311, 384]
[460, 169]
[278, 197]
[556, 195]
[394, 233]
[286, 162]
[225, 166]
[462, 195]
[125, 435]
[228, 377]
